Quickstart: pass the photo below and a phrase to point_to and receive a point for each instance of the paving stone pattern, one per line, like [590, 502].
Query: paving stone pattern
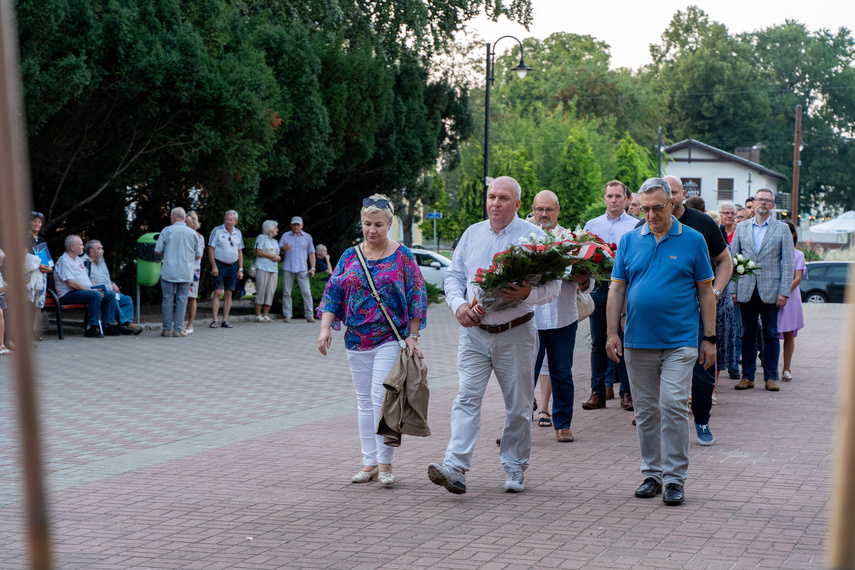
[235, 448]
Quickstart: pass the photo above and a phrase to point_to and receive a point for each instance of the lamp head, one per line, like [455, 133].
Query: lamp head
[522, 69]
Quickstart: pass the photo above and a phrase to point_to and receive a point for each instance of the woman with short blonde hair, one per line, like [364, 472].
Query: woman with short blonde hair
[266, 269]
[192, 221]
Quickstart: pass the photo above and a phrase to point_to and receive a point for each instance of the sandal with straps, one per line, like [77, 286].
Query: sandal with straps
[4, 350]
[545, 419]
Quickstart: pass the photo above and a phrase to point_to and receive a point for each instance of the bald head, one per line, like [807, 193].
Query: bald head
[545, 208]
[677, 191]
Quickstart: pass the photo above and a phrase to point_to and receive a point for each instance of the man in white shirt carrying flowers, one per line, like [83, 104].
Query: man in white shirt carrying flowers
[502, 341]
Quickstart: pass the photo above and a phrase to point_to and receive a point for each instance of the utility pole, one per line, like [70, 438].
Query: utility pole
[797, 162]
[659, 154]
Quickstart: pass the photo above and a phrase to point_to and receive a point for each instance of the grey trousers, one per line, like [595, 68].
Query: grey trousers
[305, 291]
[511, 355]
[174, 304]
[661, 382]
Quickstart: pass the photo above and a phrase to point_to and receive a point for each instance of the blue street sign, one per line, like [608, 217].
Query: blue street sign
[434, 215]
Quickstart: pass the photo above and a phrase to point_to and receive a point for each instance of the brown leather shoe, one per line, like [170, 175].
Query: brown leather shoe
[595, 402]
[772, 386]
[610, 393]
[744, 384]
[564, 435]
[626, 402]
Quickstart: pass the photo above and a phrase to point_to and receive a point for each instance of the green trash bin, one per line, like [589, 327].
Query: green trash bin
[148, 264]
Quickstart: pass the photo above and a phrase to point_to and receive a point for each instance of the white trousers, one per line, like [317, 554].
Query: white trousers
[661, 381]
[511, 355]
[369, 369]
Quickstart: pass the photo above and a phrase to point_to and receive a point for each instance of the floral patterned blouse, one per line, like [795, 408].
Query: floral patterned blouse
[347, 296]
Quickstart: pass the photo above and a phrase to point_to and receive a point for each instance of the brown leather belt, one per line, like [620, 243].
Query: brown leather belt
[507, 326]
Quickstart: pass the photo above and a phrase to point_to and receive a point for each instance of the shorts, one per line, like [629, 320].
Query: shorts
[226, 280]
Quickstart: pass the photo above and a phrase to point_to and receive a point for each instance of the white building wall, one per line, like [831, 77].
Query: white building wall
[709, 173]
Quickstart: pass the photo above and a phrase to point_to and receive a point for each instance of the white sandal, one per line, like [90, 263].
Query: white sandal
[3, 350]
[364, 476]
[786, 376]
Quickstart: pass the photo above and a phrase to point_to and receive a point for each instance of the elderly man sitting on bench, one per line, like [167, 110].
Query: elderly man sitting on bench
[73, 287]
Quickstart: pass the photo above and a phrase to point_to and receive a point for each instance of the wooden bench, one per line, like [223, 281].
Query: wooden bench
[53, 305]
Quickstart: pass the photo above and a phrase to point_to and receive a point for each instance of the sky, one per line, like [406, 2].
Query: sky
[629, 27]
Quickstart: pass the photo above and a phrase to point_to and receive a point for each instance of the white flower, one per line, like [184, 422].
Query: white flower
[740, 257]
[533, 237]
[740, 269]
[751, 264]
[521, 241]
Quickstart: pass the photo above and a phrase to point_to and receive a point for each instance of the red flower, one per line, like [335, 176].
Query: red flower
[480, 271]
[597, 257]
[613, 247]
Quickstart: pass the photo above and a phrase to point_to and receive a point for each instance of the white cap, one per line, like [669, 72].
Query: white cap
[297, 220]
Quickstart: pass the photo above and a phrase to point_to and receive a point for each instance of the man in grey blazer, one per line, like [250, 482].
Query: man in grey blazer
[769, 244]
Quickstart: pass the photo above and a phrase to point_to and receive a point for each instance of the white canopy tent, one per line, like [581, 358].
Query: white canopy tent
[842, 224]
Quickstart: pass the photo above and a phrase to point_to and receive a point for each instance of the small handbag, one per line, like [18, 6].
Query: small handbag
[584, 305]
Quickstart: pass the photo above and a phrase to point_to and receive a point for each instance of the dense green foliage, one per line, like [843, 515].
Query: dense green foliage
[268, 107]
[705, 83]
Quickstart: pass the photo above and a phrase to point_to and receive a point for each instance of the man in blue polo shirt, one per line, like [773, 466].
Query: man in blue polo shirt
[662, 274]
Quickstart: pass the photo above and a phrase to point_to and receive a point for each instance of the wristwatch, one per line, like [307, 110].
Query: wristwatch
[713, 339]
[717, 293]
[413, 336]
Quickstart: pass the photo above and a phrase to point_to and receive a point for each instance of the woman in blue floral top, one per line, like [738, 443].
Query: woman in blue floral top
[370, 343]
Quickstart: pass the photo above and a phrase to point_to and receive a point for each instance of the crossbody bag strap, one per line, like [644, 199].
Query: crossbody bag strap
[376, 295]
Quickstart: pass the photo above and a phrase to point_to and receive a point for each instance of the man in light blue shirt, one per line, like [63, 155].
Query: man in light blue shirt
[99, 273]
[610, 227]
[502, 342]
[180, 249]
[298, 262]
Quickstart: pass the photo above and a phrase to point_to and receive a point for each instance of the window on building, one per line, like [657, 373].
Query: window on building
[725, 189]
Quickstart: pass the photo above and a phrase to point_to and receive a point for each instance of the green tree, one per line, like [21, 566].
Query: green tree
[633, 163]
[579, 183]
[716, 93]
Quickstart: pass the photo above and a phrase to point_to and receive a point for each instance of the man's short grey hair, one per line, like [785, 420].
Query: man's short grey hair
[269, 225]
[514, 184]
[71, 240]
[724, 205]
[231, 213]
[2, 254]
[652, 184]
[765, 190]
[178, 213]
[89, 245]
[739, 207]
[319, 247]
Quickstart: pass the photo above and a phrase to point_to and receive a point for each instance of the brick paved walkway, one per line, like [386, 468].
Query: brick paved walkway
[234, 449]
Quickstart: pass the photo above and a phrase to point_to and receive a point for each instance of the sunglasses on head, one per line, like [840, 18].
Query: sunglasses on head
[37, 214]
[381, 204]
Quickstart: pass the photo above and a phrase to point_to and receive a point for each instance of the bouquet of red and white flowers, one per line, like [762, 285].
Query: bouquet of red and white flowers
[538, 259]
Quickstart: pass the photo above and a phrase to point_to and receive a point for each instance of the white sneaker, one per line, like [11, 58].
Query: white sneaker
[259, 319]
[515, 483]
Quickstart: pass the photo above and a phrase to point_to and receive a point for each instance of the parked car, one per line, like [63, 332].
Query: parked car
[825, 281]
[433, 266]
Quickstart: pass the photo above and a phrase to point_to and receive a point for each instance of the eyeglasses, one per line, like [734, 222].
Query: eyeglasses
[37, 214]
[381, 204]
[657, 208]
[763, 200]
[545, 210]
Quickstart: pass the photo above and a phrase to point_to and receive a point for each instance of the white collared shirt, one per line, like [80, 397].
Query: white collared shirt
[562, 311]
[476, 250]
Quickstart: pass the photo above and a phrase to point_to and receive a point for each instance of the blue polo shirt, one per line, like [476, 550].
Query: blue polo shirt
[662, 278]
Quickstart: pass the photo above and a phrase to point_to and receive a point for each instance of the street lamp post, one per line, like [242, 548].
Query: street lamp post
[521, 70]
